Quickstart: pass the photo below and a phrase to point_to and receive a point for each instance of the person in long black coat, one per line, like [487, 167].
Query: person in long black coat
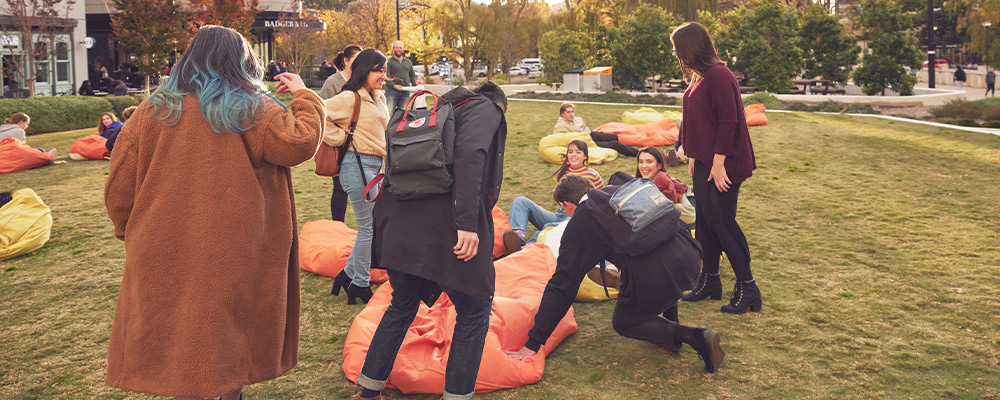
[444, 242]
[657, 264]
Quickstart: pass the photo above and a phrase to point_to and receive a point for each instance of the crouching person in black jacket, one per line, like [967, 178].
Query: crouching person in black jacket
[657, 263]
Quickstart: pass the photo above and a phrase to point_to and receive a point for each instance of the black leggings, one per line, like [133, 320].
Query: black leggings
[652, 328]
[338, 201]
[716, 227]
[610, 141]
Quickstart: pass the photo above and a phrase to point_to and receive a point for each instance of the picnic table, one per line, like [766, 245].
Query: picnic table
[816, 86]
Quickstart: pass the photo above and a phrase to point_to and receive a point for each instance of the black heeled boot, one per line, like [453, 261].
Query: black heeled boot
[746, 295]
[358, 292]
[708, 344]
[709, 285]
[340, 281]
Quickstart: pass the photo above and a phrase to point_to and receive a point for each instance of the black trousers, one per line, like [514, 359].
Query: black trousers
[990, 87]
[716, 227]
[610, 141]
[652, 328]
[338, 201]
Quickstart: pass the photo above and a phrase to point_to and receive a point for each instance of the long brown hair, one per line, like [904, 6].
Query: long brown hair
[17, 118]
[100, 121]
[580, 145]
[694, 48]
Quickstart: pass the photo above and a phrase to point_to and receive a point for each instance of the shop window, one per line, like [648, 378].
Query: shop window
[62, 62]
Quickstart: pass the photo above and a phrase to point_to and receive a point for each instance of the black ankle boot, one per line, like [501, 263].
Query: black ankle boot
[746, 295]
[358, 292]
[340, 281]
[708, 286]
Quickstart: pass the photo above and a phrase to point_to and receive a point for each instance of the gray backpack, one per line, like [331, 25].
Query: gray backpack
[640, 202]
[419, 151]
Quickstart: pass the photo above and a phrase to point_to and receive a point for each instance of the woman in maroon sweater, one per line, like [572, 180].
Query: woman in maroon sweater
[716, 138]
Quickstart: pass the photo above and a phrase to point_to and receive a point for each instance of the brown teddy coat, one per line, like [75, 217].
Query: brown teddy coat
[209, 300]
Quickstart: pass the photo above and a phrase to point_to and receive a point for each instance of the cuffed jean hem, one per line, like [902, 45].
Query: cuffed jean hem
[371, 384]
[450, 396]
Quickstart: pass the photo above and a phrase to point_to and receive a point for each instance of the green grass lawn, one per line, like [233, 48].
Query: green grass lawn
[875, 244]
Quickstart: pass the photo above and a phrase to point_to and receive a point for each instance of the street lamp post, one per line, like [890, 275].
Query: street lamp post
[931, 53]
[397, 19]
[986, 25]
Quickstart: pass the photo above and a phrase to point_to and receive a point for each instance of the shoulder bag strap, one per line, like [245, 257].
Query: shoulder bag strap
[357, 156]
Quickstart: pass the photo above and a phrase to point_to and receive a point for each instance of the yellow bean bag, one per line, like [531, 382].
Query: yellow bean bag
[648, 115]
[553, 147]
[589, 291]
[25, 224]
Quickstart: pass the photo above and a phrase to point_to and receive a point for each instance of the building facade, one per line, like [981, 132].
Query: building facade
[77, 47]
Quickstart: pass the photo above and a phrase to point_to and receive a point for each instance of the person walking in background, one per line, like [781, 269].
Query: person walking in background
[444, 242]
[332, 87]
[209, 302]
[361, 162]
[400, 73]
[716, 138]
[991, 82]
[959, 77]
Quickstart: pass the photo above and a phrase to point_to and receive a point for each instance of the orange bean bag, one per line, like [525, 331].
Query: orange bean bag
[755, 115]
[420, 366]
[660, 133]
[16, 156]
[90, 147]
[324, 247]
[500, 225]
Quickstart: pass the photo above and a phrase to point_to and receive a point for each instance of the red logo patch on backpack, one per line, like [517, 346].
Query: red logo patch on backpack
[417, 123]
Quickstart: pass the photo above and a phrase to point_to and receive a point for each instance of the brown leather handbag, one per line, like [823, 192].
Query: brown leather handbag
[329, 158]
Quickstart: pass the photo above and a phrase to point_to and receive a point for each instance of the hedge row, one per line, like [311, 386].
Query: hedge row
[62, 113]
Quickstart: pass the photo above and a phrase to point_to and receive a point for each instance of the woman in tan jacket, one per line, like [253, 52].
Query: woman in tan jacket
[200, 190]
[361, 162]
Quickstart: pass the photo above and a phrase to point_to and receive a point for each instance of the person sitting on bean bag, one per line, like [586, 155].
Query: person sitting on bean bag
[15, 127]
[113, 132]
[25, 223]
[107, 123]
[568, 121]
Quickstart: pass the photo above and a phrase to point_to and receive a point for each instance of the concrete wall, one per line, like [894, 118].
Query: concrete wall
[975, 78]
[78, 11]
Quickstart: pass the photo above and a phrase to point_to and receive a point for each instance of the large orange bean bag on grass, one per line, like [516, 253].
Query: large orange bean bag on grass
[17, 156]
[755, 115]
[90, 147]
[500, 225]
[420, 366]
[660, 133]
[325, 246]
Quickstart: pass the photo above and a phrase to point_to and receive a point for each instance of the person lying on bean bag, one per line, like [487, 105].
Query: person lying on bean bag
[17, 156]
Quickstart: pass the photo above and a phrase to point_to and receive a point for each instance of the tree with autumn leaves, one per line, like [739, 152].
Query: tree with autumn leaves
[155, 29]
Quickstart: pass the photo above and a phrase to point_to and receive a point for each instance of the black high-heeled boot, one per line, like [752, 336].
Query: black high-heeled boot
[746, 296]
[358, 292]
[709, 285]
[340, 281]
[708, 344]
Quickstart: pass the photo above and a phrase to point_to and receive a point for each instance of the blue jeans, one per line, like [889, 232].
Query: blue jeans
[471, 325]
[523, 210]
[350, 178]
[395, 99]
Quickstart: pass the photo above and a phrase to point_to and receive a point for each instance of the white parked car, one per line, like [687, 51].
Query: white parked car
[518, 71]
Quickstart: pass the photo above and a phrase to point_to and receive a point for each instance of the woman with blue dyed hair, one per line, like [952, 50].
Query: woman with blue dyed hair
[361, 162]
[200, 191]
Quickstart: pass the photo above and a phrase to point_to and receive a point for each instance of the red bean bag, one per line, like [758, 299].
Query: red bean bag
[420, 366]
[755, 115]
[90, 147]
[660, 133]
[17, 156]
[500, 225]
[324, 247]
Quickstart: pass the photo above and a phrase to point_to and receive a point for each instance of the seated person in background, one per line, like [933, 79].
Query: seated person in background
[15, 127]
[85, 89]
[113, 132]
[121, 89]
[420, 103]
[655, 269]
[568, 121]
[107, 122]
[650, 165]
[523, 210]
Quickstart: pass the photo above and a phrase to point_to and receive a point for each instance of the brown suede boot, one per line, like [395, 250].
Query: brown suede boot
[358, 397]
